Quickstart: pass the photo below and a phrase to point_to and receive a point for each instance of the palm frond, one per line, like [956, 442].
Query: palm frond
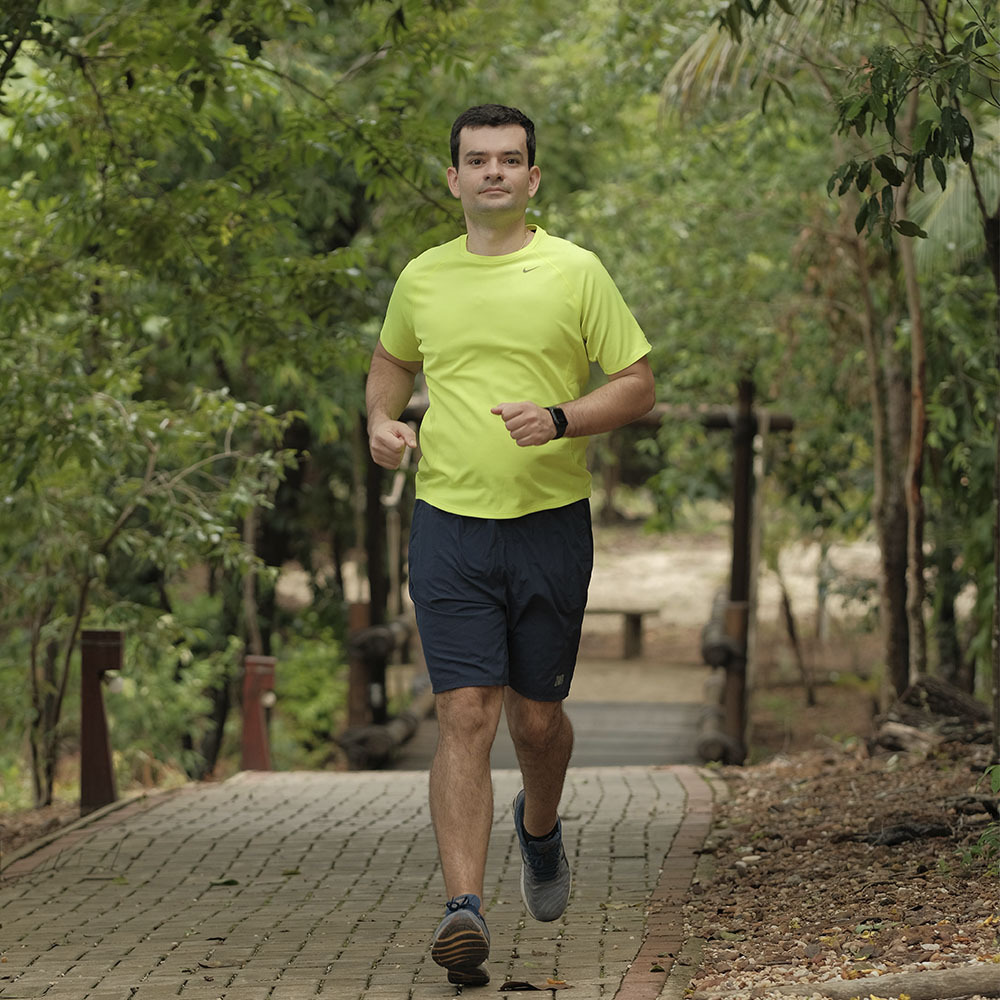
[952, 218]
[715, 62]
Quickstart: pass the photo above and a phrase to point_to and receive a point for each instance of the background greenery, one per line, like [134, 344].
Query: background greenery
[203, 207]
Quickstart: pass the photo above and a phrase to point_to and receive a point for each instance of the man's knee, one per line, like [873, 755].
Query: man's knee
[536, 726]
[470, 714]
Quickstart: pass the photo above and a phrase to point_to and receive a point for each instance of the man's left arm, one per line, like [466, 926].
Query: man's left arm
[626, 396]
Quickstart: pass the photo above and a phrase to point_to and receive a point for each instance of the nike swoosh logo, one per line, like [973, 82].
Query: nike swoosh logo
[527, 269]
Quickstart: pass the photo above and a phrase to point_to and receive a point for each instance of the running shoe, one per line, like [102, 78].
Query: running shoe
[461, 943]
[545, 876]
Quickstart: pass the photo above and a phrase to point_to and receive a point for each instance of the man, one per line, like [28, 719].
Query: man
[504, 323]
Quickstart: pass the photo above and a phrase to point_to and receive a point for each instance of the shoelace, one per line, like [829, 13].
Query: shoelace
[459, 903]
[545, 863]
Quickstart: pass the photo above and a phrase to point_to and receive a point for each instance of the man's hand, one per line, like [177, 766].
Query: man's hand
[528, 423]
[388, 441]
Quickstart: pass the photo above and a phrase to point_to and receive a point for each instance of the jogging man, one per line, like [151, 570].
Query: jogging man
[504, 322]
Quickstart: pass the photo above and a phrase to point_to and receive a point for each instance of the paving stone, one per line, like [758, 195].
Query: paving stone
[287, 886]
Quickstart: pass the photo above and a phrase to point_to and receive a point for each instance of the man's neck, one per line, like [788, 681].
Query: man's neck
[491, 242]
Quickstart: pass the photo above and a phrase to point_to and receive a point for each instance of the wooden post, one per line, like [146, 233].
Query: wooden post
[358, 713]
[737, 614]
[258, 697]
[100, 651]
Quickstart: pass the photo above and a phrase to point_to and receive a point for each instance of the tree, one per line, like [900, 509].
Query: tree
[179, 189]
[918, 96]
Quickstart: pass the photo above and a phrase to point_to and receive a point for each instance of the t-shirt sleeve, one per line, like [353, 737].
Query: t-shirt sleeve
[398, 335]
[612, 334]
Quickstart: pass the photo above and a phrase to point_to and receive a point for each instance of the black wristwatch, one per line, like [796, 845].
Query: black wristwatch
[559, 419]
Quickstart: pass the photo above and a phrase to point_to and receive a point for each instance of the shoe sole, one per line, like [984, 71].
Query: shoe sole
[469, 977]
[461, 950]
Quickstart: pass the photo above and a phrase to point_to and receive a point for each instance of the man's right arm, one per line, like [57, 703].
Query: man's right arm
[388, 390]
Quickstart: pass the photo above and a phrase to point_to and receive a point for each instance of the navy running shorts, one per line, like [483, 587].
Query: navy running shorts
[500, 601]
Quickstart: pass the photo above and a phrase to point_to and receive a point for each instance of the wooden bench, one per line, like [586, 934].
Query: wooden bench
[632, 625]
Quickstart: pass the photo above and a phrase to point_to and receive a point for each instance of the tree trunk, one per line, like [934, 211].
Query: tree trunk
[996, 591]
[44, 744]
[254, 642]
[895, 527]
[805, 671]
[916, 580]
[951, 662]
[889, 394]
[916, 585]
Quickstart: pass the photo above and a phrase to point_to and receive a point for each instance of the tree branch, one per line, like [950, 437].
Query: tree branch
[351, 127]
[11, 53]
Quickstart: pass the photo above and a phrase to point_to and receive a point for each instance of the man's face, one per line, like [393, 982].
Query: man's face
[493, 179]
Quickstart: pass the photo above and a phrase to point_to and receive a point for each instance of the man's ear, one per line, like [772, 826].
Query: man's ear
[534, 179]
[452, 175]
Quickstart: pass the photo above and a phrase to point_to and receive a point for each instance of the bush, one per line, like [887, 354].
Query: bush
[311, 689]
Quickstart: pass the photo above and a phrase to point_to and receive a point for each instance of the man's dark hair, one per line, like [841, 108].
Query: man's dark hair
[492, 116]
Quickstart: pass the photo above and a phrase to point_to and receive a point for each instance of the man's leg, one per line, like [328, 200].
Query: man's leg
[461, 787]
[543, 739]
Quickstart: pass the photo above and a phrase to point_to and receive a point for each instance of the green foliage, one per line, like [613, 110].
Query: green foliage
[158, 710]
[311, 689]
[180, 186]
[987, 847]
[203, 207]
[876, 99]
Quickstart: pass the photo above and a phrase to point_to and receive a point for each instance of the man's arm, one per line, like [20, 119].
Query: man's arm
[625, 397]
[387, 391]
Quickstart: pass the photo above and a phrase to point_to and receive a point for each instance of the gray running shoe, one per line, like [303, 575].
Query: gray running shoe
[461, 942]
[545, 877]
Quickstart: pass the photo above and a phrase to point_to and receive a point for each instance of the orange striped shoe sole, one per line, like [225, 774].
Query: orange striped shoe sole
[461, 944]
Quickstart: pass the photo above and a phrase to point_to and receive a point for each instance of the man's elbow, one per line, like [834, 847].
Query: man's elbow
[645, 396]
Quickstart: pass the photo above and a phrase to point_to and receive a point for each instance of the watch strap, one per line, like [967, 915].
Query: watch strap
[559, 419]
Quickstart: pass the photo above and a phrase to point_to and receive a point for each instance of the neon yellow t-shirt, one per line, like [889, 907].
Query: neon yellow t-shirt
[489, 330]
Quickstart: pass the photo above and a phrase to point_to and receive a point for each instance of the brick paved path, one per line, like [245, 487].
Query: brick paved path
[292, 886]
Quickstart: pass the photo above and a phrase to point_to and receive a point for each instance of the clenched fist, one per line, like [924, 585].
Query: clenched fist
[528, 423]
[388, 441]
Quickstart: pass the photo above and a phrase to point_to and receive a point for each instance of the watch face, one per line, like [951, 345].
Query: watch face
[559, 419]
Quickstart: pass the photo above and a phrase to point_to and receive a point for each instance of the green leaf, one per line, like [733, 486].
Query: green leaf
[886, 166]
[197, 88]
[848, 178]
[862, 217]
[921, 134]
[907, 228]
[764, 97]
[963, 134]
[940, 172]
[888, 200]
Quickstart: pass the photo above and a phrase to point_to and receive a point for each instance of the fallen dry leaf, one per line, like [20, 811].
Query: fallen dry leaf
[513, 985]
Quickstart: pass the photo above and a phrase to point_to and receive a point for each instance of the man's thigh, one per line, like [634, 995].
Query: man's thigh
[456, 584]
[550, 560]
